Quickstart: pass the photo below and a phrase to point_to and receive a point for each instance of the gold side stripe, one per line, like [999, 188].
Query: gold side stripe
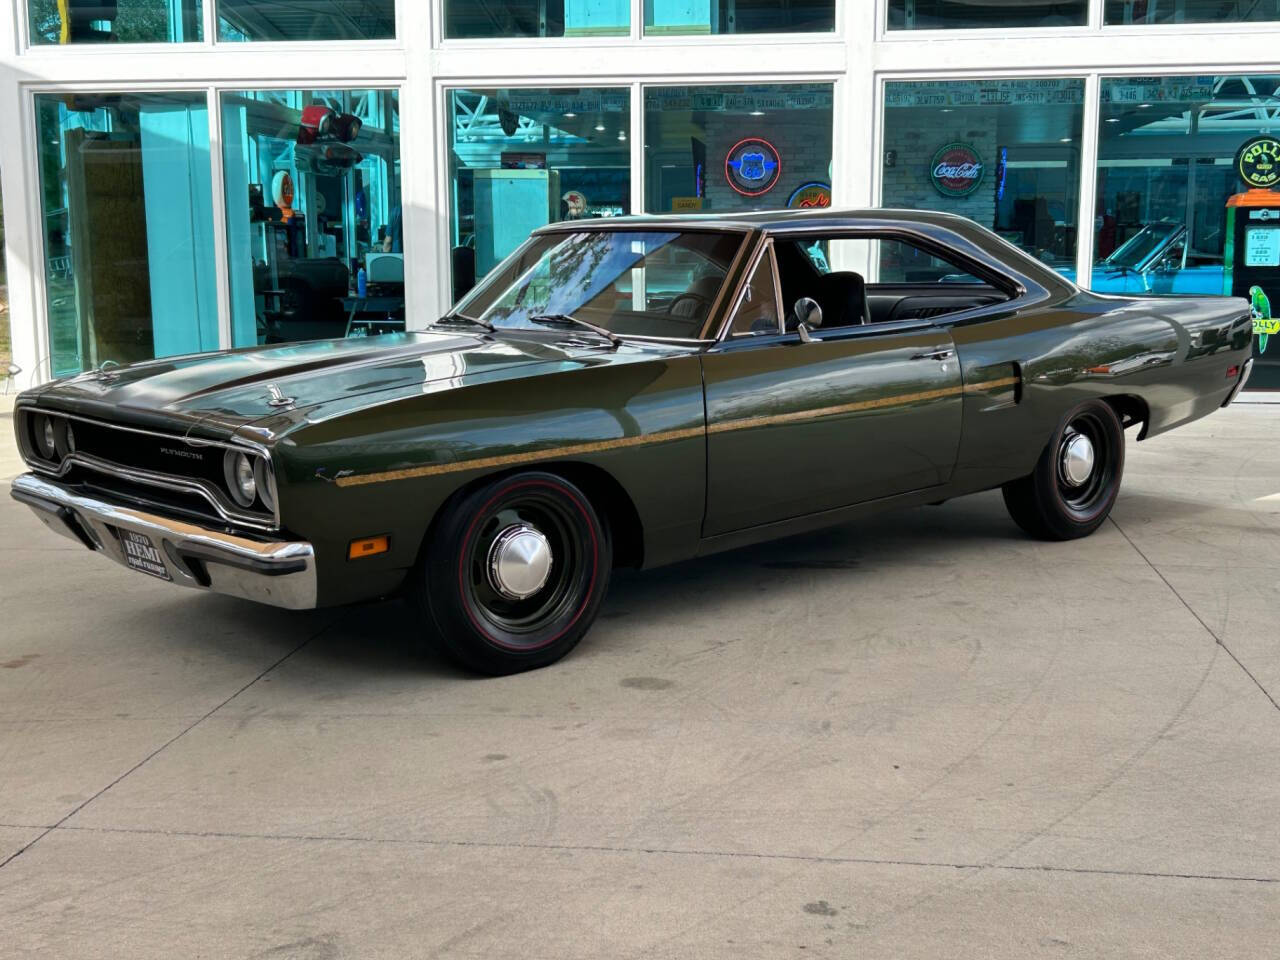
[991, 384]
[665, 436]
[820, 412]
[528, 456]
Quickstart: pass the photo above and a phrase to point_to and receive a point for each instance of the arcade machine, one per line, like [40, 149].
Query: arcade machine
[1252, 253]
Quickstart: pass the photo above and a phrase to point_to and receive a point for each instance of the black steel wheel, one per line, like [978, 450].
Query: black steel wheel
[1077, 478]
[515, 572]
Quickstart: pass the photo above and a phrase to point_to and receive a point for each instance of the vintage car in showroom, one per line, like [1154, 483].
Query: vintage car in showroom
[634, 391]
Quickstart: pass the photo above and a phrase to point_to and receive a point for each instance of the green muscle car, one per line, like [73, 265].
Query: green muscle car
[633, 392]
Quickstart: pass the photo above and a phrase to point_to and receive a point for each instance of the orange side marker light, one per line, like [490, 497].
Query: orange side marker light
[368, 547]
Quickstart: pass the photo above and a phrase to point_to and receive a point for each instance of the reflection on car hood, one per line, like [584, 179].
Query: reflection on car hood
[234, 388]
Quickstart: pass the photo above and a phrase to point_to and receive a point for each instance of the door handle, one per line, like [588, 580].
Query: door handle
[935, 355]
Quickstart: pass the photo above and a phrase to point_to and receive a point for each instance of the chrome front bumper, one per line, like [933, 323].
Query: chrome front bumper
[280, 573]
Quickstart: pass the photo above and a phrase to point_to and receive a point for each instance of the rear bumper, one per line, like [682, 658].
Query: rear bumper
[1244, 378]
[279, 573]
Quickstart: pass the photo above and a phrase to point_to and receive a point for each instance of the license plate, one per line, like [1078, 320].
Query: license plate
[141, 554]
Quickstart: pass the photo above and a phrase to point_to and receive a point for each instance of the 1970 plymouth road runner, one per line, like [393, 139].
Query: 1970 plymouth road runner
[633, 391]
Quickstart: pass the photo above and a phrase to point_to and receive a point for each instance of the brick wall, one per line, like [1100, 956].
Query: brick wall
[802, 139]
[916, 136]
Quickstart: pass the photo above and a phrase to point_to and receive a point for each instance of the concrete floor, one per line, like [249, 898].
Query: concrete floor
[920, 736]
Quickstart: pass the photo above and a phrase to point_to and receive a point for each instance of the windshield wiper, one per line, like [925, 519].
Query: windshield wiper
[457, 318]
[565, 320]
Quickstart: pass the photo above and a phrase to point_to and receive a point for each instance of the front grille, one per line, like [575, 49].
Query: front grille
[138, 465]
[170, 456]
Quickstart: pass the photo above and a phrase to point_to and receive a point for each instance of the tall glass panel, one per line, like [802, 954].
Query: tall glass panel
[720, 149]
[1175, 211]
[306, 19]
[1190, 11]
[465, 19]
[522, 158]
[673, 17]
[128, 237]
[1005, 153]
[315, 232]
[993, 14]
[115, 21]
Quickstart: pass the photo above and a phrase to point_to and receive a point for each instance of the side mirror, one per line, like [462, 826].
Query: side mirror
[808, 317]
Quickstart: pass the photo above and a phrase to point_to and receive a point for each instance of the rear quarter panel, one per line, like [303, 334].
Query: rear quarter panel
[1172, 354]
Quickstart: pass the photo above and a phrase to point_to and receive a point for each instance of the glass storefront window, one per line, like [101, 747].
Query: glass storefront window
[522, 158]
[993, 14]
[672, 17]
[720, 149]
[1005, 153]
[1174, 214]
[315, 235]
[306, 20]
[1190, 11]
[115, 21]
[466, 19]
[125, 182]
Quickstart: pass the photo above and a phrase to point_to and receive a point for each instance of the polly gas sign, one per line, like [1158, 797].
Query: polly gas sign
[1258, 163]
[956, 170]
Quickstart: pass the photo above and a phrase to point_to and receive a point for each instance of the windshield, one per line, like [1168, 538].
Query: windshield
[653, 283]
[1140, 247]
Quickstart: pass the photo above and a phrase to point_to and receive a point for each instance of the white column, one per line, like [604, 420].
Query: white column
[856, 136]
[1088, 181]
[428, 277]
[23, 243]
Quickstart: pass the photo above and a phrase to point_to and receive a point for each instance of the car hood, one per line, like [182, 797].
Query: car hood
[222, 392]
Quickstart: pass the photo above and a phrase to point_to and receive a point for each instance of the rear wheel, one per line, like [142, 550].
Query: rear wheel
[1075, 483]
[515, 573]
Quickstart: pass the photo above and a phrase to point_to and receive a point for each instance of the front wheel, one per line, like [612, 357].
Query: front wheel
[1075, 483]
[515, 573]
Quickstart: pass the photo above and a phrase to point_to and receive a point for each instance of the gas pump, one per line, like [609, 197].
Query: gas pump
[1252, 252]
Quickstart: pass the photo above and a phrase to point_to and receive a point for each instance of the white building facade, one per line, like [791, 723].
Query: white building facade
[181, 176]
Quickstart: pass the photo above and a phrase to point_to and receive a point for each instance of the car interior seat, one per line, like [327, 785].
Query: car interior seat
[695, 301]
[843, 298]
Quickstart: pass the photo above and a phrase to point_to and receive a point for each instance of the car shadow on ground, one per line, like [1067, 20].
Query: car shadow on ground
[387, 636]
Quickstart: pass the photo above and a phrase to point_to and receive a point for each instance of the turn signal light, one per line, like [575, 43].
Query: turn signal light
[1233, 372]
[368, 547]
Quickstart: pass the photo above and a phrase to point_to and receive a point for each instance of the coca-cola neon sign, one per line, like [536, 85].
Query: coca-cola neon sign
[956, 170]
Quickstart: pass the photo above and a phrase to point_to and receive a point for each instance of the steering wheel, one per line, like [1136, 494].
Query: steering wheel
[700, 304]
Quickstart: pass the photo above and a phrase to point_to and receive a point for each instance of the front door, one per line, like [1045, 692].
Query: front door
[859, 413]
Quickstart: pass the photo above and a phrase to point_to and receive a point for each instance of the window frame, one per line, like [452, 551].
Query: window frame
[765, 250]
[1021, 291]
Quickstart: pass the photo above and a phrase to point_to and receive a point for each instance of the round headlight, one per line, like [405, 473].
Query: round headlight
[64, 439]
[46, 443]
[265, 481]
[239, 475]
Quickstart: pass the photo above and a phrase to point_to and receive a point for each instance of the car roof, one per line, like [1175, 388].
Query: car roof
[950, 229]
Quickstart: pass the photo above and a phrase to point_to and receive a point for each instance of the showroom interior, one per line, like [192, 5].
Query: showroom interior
[181, 176]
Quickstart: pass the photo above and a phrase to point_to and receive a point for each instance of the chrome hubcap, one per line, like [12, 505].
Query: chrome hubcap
[519, 561]
[1077, 460]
